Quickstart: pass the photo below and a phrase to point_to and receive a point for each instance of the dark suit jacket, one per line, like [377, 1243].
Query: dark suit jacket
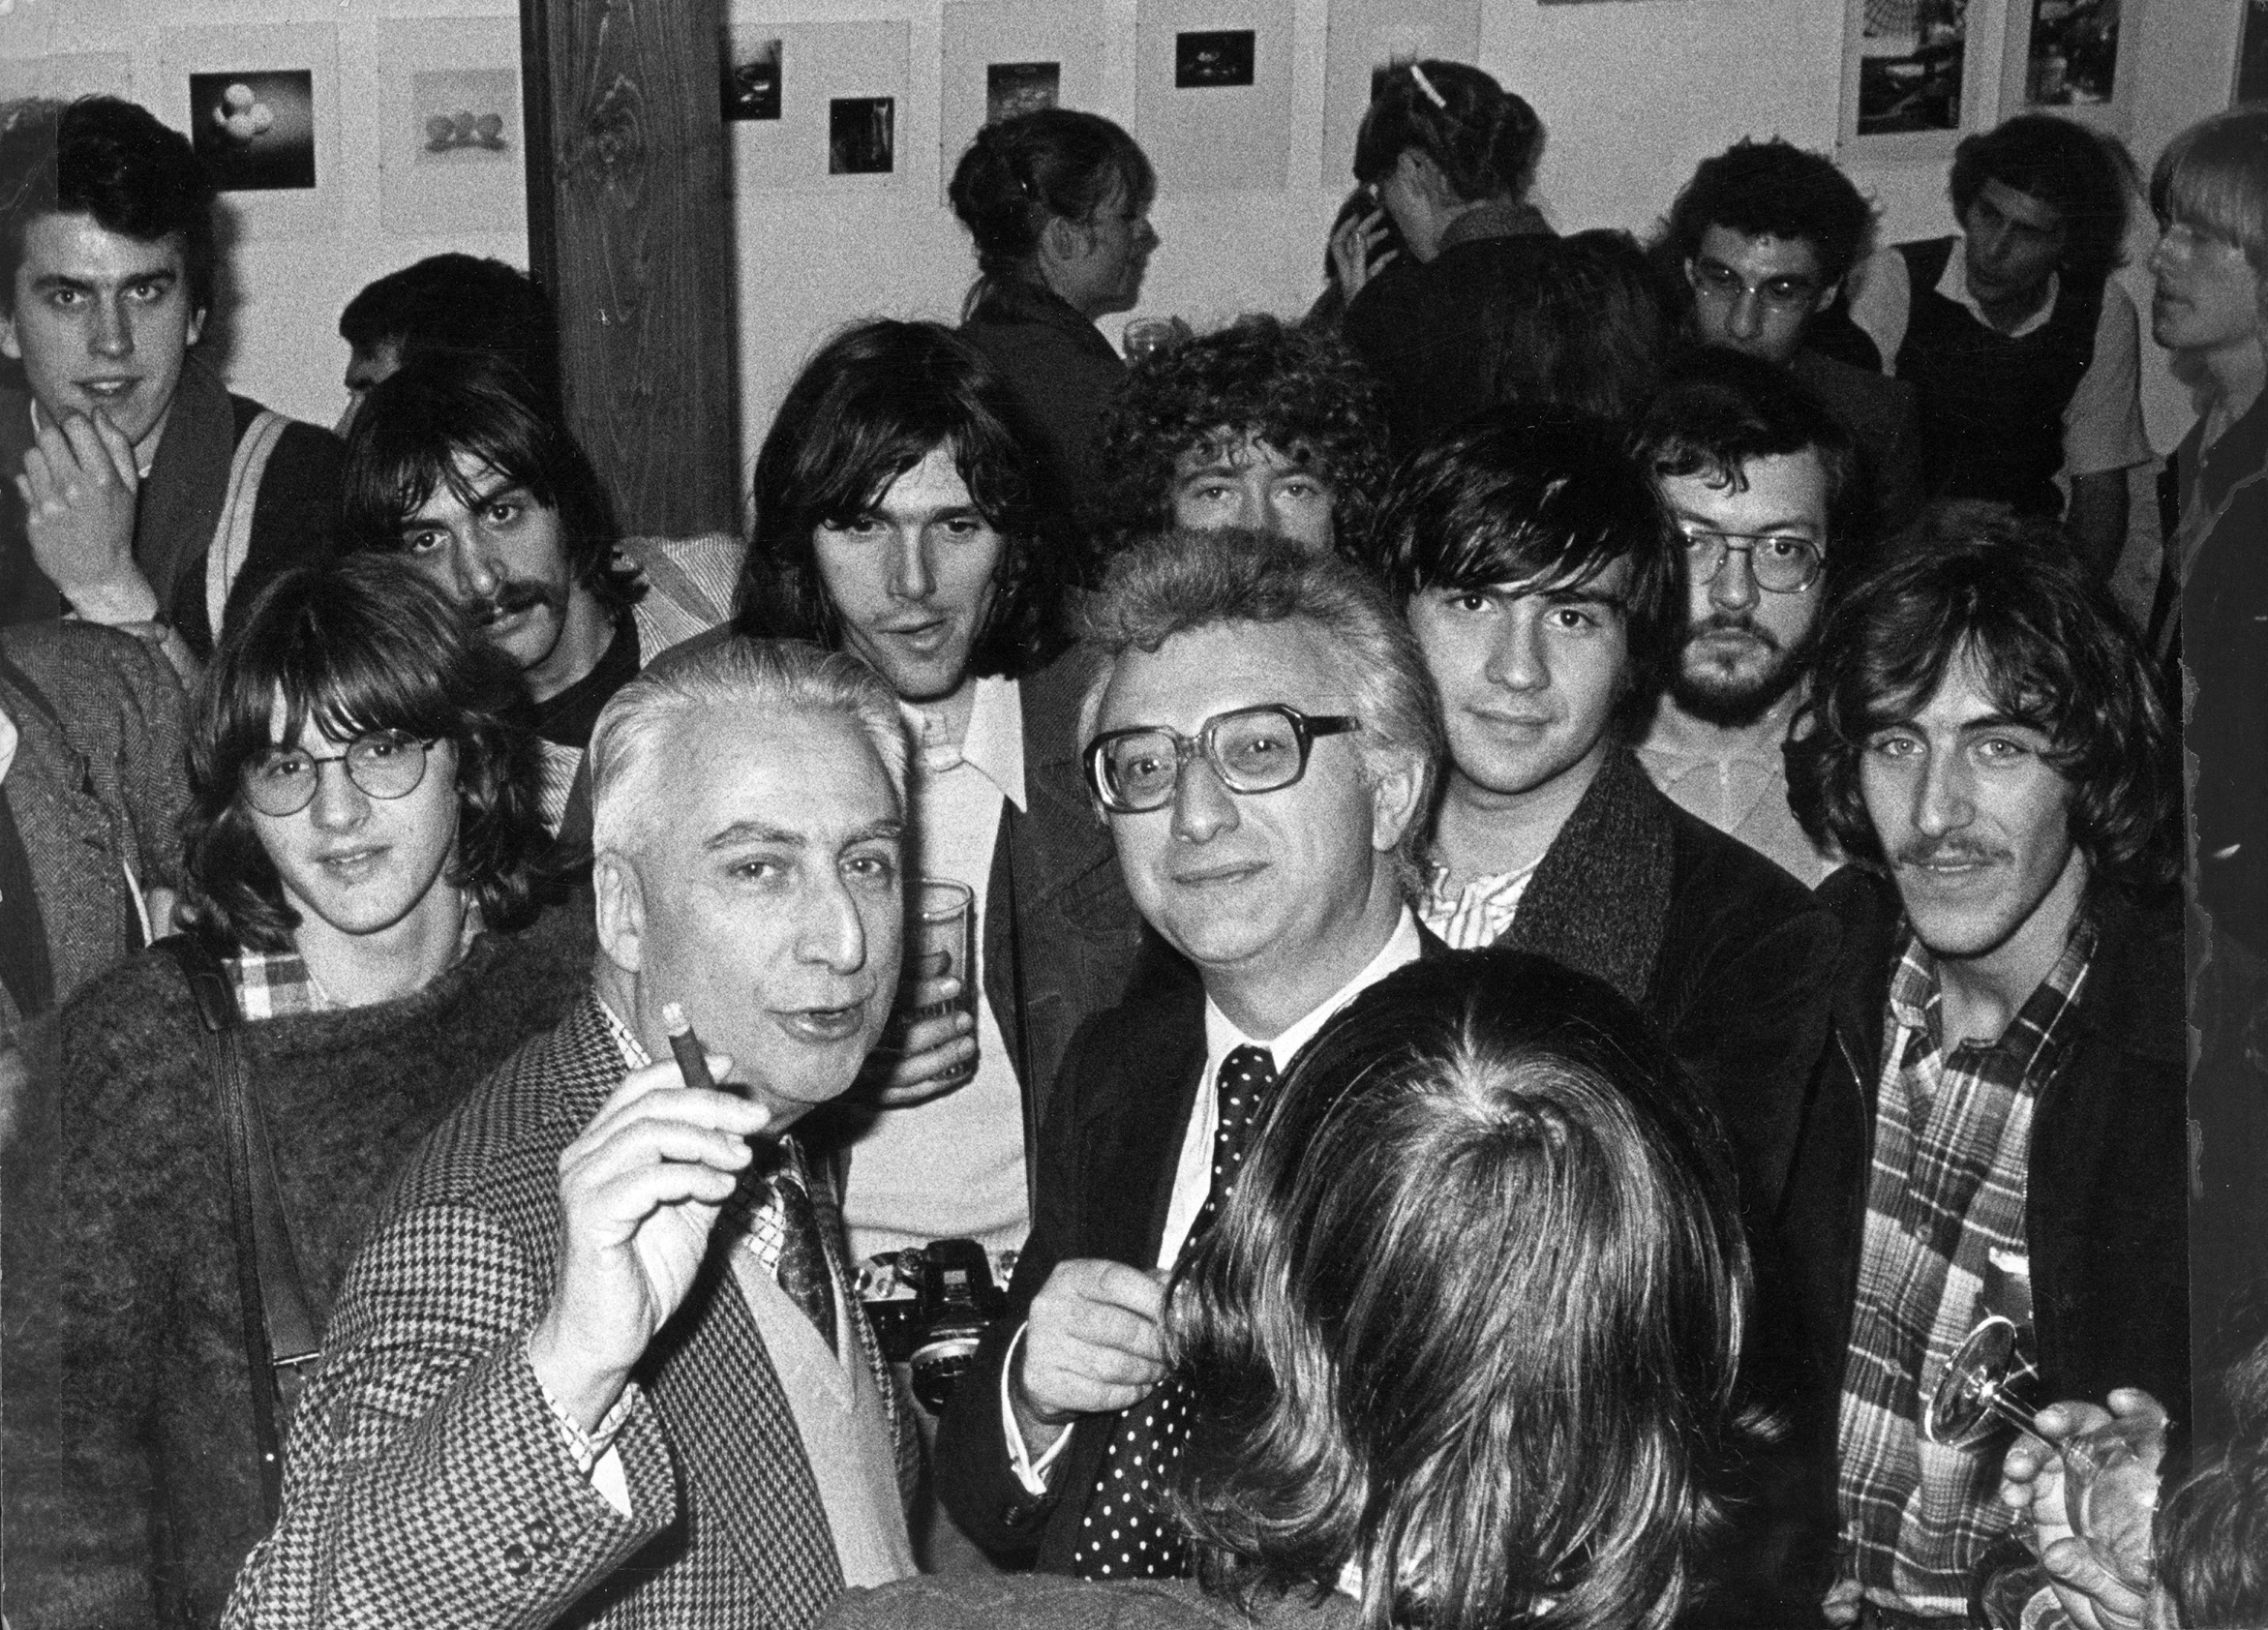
[1884, 417]
[426, 1480]
[1108, 1154]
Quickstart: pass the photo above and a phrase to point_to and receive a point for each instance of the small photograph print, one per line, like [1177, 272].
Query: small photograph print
[2075, 52]
[1020, 87]
[861, 139]
[1207, 61]
[1911, 55]
[751, 78]
[465, 116]
[255, 131]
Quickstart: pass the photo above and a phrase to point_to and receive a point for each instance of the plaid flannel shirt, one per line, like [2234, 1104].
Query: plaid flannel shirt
[1952, 1141]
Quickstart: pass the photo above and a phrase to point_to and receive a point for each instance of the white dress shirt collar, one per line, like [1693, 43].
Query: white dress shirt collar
[1222, 1034]
[992, 745]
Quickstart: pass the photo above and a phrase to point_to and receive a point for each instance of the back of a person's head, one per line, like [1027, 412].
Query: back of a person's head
[458, 303]
[1718, 409]
[1472, 1317]
[877, 398]
[2064, 166]
[2212, 1530]
[1774, 189]
[1484, 139]
[1301, 392]
[112, 159]
[1578, 322]
[1053, 162]
[2213, 178]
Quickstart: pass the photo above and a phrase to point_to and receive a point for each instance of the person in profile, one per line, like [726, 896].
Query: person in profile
[1460, 1351]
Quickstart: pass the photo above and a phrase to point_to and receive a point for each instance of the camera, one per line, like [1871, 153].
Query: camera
[930, 1306]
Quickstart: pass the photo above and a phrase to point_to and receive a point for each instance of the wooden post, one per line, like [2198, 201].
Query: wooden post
[630, 232]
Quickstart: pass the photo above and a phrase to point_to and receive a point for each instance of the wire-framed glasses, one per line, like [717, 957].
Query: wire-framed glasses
[385, 764]
[1782, 562]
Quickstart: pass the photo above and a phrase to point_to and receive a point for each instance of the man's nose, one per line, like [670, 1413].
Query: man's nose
[1734, 587]
[1748, 316]
[113, 329]
[1942, 802]
[911, 577]
[1203, 806]
[1516, 662]
[832, 933]
[478, 572]
[339, 804]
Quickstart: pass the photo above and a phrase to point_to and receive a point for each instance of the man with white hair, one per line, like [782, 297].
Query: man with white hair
[599, 1354]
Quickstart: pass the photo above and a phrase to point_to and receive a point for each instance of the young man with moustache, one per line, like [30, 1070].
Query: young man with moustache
[1260, 741]
[1763, 484]
[464, 466]
[1258, 425]
[1531, 558]
[2023, 352]
[2001, 1127]
[598, 1357]
[140, 493]
[1762, 239]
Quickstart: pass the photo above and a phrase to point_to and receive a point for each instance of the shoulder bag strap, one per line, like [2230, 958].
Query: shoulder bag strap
[279, 1345]
[232, 544]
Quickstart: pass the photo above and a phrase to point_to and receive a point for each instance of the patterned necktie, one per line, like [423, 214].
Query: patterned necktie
[1125, 1535]
[801, 1269]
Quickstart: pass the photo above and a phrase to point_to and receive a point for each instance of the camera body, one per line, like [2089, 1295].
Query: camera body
[930, 1306]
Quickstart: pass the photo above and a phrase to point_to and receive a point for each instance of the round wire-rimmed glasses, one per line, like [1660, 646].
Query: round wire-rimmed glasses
[385, 764]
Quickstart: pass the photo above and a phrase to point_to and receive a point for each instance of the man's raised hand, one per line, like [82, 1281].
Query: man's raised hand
[79, 487]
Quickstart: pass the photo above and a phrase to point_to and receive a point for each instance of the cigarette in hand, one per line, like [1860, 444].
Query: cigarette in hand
[685, 1046]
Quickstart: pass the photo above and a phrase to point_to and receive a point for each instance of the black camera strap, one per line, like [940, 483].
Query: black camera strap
[279, 1343]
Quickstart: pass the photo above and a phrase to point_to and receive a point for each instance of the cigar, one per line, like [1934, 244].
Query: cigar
[685, 1046]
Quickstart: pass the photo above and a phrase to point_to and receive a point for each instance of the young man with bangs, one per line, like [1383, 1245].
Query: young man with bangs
[2001, 1127]
[1530, 554]
[1270, 428]
[138, 491]
[360, 849]
[464, 465]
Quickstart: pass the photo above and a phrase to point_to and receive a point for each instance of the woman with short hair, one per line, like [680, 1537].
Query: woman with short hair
[1459, 1351]
[361, 843]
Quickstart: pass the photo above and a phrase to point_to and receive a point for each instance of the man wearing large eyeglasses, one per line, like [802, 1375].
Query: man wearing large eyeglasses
[1761, 483]
[1259, 740]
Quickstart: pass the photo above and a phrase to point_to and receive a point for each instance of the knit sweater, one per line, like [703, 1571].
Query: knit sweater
[133, 1490]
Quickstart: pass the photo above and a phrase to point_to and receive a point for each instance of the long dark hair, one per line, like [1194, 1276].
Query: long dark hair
[2056, 652]
[1023, 171]
[878, 399]
[363, 645]
[1472, 1313]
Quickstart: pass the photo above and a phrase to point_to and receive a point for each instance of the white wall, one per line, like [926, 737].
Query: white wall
[1633, 92]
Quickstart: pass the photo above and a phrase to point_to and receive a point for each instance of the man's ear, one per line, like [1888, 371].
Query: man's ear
[11, 346]
[1394, 796]
[197, 324]
[1827, 297]
[622, 911]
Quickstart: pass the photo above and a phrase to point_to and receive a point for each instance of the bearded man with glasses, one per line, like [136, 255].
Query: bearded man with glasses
[360, 849]
[1260, 741]
[1763, 486]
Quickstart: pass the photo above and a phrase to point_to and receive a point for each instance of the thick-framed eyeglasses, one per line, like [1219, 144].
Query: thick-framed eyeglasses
[1781, 562]
[1252, 750]
[385, 764]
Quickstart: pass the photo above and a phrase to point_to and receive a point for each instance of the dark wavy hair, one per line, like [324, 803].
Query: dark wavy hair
[1774, 189]
[459, 303]
[1484, 139]
[1303, 393]
[2212, 1530]
[1547, 497]
[419, 420]
[878, 399]
[1023, 171]
[2062, 165]
[1578, 321]
[2057, 654]
[1472, 1313]
[1721, 409]
[110, 158]
[362, 645]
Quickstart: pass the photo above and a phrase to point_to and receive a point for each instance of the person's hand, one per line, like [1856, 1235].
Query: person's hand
[639, 1194]
[78, 485]
[1095, 1343]
[1355, 250]
[929, 1057]
[2101, 1580]
[1841, 1606]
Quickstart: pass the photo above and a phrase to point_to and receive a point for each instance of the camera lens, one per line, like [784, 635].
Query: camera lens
[940, 1362]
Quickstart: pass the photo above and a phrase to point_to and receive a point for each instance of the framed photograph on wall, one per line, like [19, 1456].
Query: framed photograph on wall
[451, 135]
[2063, 57]
[823, 104]
[1908, 90]
[1003, 57]
[261, 103]
[1212, 93]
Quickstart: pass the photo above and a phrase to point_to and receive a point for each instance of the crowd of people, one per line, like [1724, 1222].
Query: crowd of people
[1570, 886]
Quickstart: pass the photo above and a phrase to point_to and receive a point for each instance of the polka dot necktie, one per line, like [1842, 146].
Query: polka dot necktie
[1126, 1535]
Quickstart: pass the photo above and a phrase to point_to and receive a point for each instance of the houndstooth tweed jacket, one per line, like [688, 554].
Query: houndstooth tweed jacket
[426, 1479]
